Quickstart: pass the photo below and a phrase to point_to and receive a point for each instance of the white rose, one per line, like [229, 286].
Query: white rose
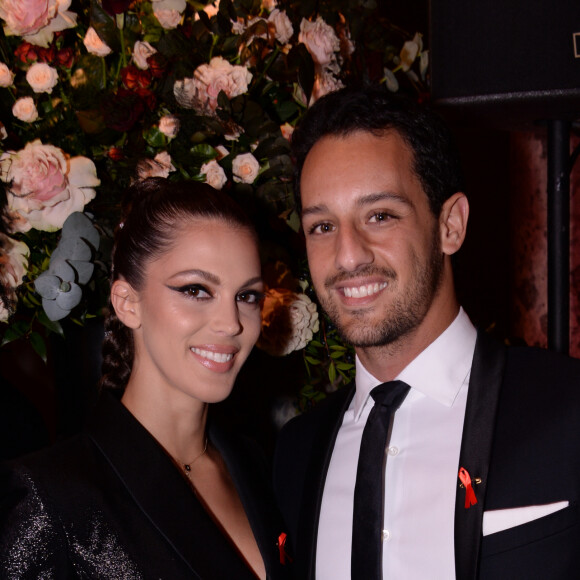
[78, 78]
[169, 19]
[245, 168]
[25, 110]
[282, 26]
[42, 77]
[94, 44]
[6, 76]
[320, 40]
[177, 5]
[391, 80]
[141, 52]
[36, 20]
[324, 83]
[46, 186]
[169, 125]
[287, 130]
[289, 321]
[409, 52]
[159, 166]
[214, 174]
[185, 92]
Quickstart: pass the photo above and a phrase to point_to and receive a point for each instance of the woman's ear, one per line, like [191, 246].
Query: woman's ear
[453, 223]
[126, 304]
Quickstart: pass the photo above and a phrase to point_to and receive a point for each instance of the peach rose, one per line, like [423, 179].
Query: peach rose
[141, 52]
[46, 186]
[245, 168]
[42, 77]
[25, 110]
[320, 40]
[36, 20]
[6, 76]
[94, 44]
[214, 174]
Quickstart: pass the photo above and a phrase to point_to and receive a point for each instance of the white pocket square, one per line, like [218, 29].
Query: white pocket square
[498, 520]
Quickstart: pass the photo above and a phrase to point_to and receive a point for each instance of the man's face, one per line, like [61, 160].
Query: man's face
[373, 244]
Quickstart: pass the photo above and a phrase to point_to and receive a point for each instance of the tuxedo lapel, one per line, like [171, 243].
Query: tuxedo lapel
[329, 421]
[482, 400]
[163, 494]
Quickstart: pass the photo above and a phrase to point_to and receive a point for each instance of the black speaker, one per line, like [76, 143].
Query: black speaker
[509, 60]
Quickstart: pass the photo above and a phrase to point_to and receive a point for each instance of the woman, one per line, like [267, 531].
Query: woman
[150, 489]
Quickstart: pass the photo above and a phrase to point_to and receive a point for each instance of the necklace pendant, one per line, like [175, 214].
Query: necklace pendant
[187, 467]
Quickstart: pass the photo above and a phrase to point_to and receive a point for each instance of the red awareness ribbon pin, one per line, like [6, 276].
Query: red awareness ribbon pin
[281, 546]
[470, 498]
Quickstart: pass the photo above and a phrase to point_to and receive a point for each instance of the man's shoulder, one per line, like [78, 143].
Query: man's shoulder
[539, 365]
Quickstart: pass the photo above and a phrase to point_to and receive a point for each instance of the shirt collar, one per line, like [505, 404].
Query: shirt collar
[438, 372]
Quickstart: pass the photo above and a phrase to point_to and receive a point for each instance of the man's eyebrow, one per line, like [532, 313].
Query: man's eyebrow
[362, 201]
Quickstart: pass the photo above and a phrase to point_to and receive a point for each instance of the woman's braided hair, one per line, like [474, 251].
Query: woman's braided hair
[153, 213]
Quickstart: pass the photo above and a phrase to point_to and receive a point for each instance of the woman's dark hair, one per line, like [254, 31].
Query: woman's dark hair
[375, 110]
[152, 212]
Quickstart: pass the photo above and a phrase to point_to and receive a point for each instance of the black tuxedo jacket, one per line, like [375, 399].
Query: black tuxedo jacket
[521, 437]
[109, 503]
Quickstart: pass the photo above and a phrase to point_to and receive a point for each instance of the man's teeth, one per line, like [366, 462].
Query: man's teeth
[215, 356]
[362, 291]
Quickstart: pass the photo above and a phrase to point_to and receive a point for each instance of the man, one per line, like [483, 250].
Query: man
[482, 467]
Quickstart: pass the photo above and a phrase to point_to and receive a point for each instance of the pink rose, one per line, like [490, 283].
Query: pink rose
[214, 174]
[6, 76]
[42, 77]
[46, 186]
[282, 26]
[245, 168]
[320, 40]
[25, 110]
[94, 44]
[169, 19]
[36, 20]
[159, 166]
[141, 52]
[13, 267]
[169, 126]
[208, 81]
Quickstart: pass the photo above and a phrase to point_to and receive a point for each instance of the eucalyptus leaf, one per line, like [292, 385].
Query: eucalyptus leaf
[47, 286]
[53, 310]
[79, 225]
[84, 270]
[62, 269]
[71, 249]
[68, 300]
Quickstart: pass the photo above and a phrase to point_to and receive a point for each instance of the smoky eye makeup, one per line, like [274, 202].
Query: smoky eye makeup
[197, 291]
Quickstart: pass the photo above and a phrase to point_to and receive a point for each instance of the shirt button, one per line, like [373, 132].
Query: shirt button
[393, 451]
[386, 535]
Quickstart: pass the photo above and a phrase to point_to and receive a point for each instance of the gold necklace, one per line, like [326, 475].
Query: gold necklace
[187, 466]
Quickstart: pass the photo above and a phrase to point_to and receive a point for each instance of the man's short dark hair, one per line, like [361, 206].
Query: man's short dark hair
[375, 110]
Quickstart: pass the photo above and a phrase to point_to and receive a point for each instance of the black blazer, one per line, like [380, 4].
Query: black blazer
[109, 503]
[521, 437]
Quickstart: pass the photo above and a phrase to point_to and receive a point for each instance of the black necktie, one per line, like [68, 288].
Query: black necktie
[367, 528]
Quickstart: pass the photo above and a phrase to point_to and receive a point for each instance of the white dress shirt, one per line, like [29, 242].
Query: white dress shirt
[421, 467]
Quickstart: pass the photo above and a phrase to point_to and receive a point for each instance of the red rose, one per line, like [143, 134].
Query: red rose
[47, 55]
[26, 53]
[134, 78]
[65, 57]
[116, 154]
[157, 64]
[123, 110]
[116, 6]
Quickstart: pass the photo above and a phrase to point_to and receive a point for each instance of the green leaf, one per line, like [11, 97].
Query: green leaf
[312, 360]
[38, 344]
[332, 373]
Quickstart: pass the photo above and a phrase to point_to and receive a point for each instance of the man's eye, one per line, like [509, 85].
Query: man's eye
[322, 228]
[380, 216]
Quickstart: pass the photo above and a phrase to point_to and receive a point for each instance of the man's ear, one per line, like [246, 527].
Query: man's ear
[453, 223]
[126, 304]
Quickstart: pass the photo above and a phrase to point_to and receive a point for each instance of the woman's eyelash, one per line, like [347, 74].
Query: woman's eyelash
[251, 296]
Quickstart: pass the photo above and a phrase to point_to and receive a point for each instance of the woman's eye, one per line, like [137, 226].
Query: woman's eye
[193, 291]
[250, 297]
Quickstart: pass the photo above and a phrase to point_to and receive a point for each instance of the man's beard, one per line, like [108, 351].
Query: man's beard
[403, 315]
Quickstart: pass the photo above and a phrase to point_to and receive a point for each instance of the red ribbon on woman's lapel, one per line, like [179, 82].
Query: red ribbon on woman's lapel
[470, 498]
[281, 546]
